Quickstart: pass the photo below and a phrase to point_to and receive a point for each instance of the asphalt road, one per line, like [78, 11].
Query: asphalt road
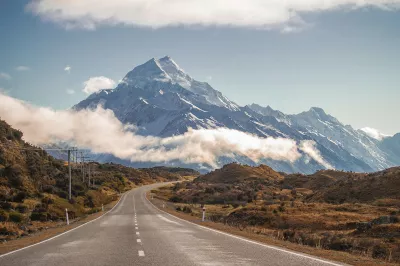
[137, 233]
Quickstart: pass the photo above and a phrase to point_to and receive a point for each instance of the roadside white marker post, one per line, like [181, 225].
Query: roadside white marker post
[66, 215]
[204, 214]
[102, 207]
[163, 205]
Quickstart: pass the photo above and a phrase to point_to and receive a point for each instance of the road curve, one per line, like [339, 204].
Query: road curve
[137, 233]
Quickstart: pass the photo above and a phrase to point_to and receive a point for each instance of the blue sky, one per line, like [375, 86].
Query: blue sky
[346, 61]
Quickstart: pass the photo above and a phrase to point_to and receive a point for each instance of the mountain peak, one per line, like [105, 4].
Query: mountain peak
[166, 58]
[317, 110]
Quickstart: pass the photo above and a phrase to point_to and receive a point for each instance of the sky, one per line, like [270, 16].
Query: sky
[341, 57]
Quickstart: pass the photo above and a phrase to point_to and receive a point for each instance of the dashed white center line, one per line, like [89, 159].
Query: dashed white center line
[141, 253]
[139, 241]
[137, 233]
[136, 228]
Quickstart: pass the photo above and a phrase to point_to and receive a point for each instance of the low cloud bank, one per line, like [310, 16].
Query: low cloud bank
[100, 131]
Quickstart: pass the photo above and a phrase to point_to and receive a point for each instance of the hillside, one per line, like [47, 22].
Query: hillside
[34, 185]
[357, 213]
[236, 173]
[380, 188]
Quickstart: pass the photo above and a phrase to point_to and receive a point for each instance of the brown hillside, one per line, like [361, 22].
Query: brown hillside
[318, 180]
[34, 185]
[379, 187]
[234, 173]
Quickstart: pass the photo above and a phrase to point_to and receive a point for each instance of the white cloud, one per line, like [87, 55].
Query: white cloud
[5, 76]
[286, 15]
[68, 69]
[100, 131]
[308, 147]
[22, 68]
[374, 133]
[70, 91]
[95, 84]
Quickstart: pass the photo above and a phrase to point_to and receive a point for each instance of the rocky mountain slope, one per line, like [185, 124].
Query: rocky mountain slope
[162, 100]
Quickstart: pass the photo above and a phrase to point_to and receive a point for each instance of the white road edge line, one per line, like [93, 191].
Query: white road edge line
[247, 240]
[141, 253]
[66, 232]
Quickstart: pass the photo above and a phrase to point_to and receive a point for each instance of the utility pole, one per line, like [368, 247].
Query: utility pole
[69, 172]
[83, 167]
[89, 174]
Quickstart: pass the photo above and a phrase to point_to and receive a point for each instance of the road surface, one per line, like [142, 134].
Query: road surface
[134, 232]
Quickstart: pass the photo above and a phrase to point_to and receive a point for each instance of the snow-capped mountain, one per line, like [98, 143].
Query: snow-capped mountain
[374, 133]
[162, 100]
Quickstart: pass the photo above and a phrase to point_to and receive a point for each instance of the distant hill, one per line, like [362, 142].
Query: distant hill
[364, 188]
[329, 186]
[234, 173]
[318, 180]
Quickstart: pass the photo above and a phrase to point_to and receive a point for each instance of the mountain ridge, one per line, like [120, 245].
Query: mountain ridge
[162, 100]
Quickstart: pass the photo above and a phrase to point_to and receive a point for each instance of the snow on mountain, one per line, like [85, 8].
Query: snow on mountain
[374, 133]
[162, 100]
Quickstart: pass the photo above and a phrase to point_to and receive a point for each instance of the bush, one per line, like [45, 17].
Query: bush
[175, 199]
[187, 209]
[62, 194]
[48, 189]
[21, 208]
[20, 197]
[15, 217]
[39, 216]
[5, 205]
[47, 201]
[380, 252]
[3, 216]
[178, 209]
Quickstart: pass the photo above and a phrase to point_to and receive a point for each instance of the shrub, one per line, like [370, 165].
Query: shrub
[3, 216]
[62, 194]
[20, 197]
[175, 199]
[22, 208]
[187, 209]
[39, 216]
[14, 175]
[380, 251]
[178, 209]
[209, 190]
[15, 217]
[48, 189]
[5, 205]
[47, 200]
